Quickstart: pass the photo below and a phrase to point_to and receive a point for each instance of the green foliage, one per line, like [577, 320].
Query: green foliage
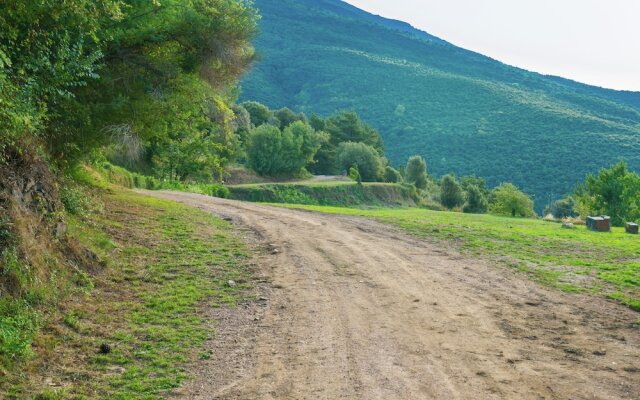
[463, 112]
[75, 201]
[154, 79]
[468, 181]
[364, 157]
[344, 126]
[451, 194]
[19, 320]
[614, 191]
[283, 153]
[508, 200]
[259, 113]
[562, 208]
[286, 117]
[416, 172]
[347, 194]
[392, 175]
[476, 200]
[353, 174]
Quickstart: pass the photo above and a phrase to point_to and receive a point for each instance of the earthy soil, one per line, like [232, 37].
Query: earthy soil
[360, 310]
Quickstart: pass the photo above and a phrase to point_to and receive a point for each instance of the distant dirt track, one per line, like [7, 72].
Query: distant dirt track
[360, 310]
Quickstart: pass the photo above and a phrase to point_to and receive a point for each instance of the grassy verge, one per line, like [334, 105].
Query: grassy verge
[332, 193]
[165, 262]
[574, 260]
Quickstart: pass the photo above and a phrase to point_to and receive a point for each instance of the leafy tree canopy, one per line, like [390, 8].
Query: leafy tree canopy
[614, 191]
[508, 200]
[416, 172]
[364, 157]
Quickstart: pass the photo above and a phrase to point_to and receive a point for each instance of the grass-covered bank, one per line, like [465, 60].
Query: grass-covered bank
[164, 263]
[574, 260]
[331, 193]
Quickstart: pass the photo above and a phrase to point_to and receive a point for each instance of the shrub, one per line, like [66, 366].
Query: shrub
[476, 201]
[364, 157]
[506, 199]
[75, 201]
[392, 175]
[354, 174]
[282, 153]
[451, 194]
[563, 208]
[416, 172]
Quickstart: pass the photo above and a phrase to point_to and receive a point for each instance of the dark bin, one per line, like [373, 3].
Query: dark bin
[631, 228]
[599, 224]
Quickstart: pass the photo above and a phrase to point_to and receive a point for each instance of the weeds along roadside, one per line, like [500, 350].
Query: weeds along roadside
[164, 262]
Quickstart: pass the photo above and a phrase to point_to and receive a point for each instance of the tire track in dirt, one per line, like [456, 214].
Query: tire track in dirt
[360, 310]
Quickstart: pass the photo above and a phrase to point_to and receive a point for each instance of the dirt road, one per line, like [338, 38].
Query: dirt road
[360, 310]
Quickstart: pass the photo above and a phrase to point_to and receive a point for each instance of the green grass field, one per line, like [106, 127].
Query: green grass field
[574, 260]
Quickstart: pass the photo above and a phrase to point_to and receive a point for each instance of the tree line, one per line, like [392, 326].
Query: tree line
[149, 83]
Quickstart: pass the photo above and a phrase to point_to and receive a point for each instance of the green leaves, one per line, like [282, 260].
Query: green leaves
[614, 191]
[508, 200]
[275, 152]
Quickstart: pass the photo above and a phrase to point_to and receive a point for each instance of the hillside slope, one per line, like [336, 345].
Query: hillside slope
[463, 111]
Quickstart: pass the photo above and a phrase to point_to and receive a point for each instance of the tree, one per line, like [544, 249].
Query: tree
[451, 194]
[467, 181]
[476, 200]
[259, 113]
[287, 117]
[282, 153]
[615, 192]
[392, 175]
[342, 127]
[416, 172]
[508, 200]
[562, 208]
[317, 122]
[364, 157]
[346, 126]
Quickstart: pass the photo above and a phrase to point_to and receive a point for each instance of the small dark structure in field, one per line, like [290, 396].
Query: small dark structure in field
[631, 228]
[599, 224]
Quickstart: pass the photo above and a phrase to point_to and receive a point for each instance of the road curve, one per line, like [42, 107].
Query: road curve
[361, 310]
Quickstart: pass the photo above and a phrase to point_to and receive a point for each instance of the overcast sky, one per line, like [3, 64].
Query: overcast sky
[591, 41]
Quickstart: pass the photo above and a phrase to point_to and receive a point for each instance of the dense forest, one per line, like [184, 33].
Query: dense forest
[463, 112]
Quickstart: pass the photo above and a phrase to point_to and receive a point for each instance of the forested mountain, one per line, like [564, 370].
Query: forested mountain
[462, 111]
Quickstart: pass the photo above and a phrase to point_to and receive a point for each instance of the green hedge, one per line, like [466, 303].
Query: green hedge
[370, 194]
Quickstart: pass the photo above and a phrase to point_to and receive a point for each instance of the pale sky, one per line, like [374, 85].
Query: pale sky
[590, 41]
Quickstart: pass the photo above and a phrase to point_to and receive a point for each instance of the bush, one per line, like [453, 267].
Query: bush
[507, 200]
[364, 157]
[451, 194]
[563, 208]
[282, 153]
[392, 175]
[416, 172]
[75, 201]
[353, 174]
[476, 201]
